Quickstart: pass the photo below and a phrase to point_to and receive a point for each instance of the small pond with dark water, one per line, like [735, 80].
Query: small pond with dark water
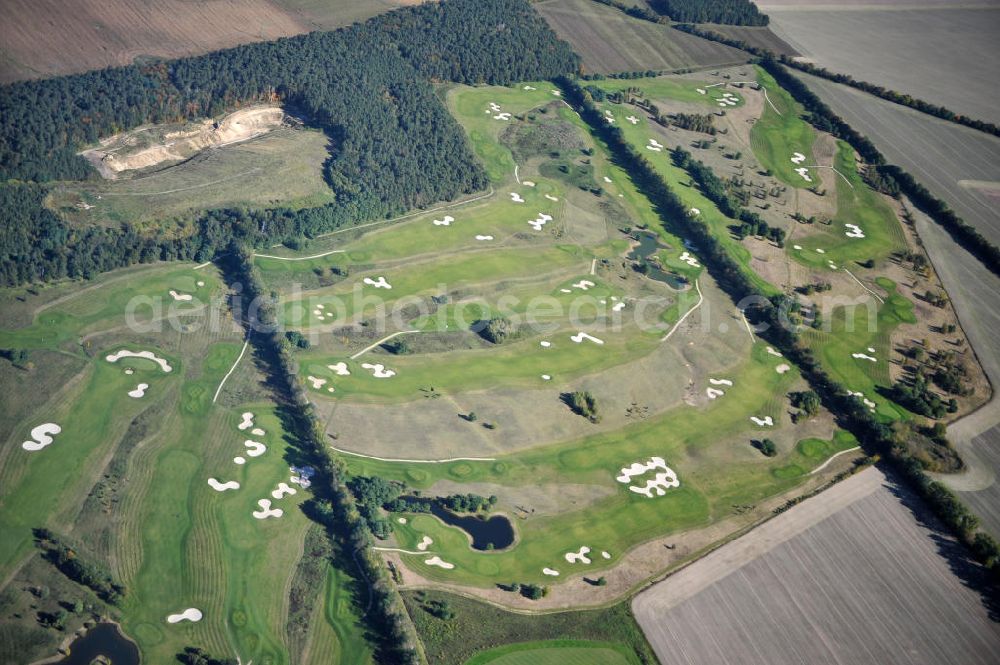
[496, 531]
[648, 245]
[106, 640]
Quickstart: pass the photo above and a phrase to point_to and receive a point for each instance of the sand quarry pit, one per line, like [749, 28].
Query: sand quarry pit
[579, 556]
[140, 391]
[218, 486]
[148, 355]
[424, 543]
[41, 436]
[134, 150]
[266, 511]
[379, 371]
[437, 561]
[192, 614]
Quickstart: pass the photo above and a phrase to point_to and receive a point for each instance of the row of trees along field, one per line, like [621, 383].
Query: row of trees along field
[394, 145]
[875, 436]
[730, 12]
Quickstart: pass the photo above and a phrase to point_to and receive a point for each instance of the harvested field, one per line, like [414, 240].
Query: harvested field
[985, 502]
[760, 37]
[873, 582]
[610, 41]
[41, 39]
[944, 56]
[944, 157]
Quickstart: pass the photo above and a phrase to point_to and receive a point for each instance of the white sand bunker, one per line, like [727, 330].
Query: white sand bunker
[201, 283]
[578, 556]
[714, 393]
[340, 369]
[766, 421]
[255, 448]
[484, 237]
[720, 382]
[256, 431]
[583, 284]
[557, 93]
[140, 391]
[690, 260]
[317, 383]
[448, 219]
[820, 251]
[617, 307]
[129, 371]
[774, 352]
[266, 510]
[437, 561]
[854, 231]
[239, 459]
[701, 91]
[528, 183]
[798, 158]
[546, 377]
[867, 402]
[282, 491]
[607, 179]
[502, 116]
[222, 487]
[550, 572]
[663, 480]
[530, 87]
[379, 371]
[580, 336]
[606, 555]
[551, 198]
[401, 520]
[380, 283]
[804, 172]
[516, 198]
[796, 246]
[540, 221]
[654, 145]
[41, 437]
[424, 543]
[782, 368]
[694, 212]
[864, 356]
[190, 614]
[182, 297]
[247, 421]
[634, 120]
[301, 476]
[871, 350]
[545, 344]
[148, 355]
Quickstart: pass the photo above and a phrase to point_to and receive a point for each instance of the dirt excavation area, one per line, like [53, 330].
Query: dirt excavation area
[159, 145]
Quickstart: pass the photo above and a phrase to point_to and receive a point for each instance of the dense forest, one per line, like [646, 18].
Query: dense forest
[730, 12]
[395, 147]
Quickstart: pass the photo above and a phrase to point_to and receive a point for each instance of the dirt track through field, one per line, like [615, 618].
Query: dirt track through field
[851, 576]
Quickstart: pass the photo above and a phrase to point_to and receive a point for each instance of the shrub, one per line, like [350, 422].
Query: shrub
[584, 404]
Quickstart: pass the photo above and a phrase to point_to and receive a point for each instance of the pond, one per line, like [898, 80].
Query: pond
[648, 245]
[106, 640]
[496, 531]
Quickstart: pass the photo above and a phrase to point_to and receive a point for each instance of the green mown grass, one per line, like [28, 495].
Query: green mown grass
[775, 137]
[681, 90]
[556, 652]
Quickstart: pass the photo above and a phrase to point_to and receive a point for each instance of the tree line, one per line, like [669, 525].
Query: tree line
[851, 413]
[730, 12]
[394, 146]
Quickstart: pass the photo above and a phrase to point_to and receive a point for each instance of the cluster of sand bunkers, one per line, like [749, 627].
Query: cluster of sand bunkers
[378, 371]
[798, 158]
[663, 480]
[865, 356]
[867, 402]
[654, 145]
[728, 99]
[853, 231]
[497, 112]
[140, 390]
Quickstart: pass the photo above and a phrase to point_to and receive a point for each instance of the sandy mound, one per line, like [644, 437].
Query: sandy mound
[578, 556]
[222, 487]
[379, 371]
[190, 614]
[436, 561]
[42, 437]
[140, 391]
[424, 543]
[149, 355]
[282, 491]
